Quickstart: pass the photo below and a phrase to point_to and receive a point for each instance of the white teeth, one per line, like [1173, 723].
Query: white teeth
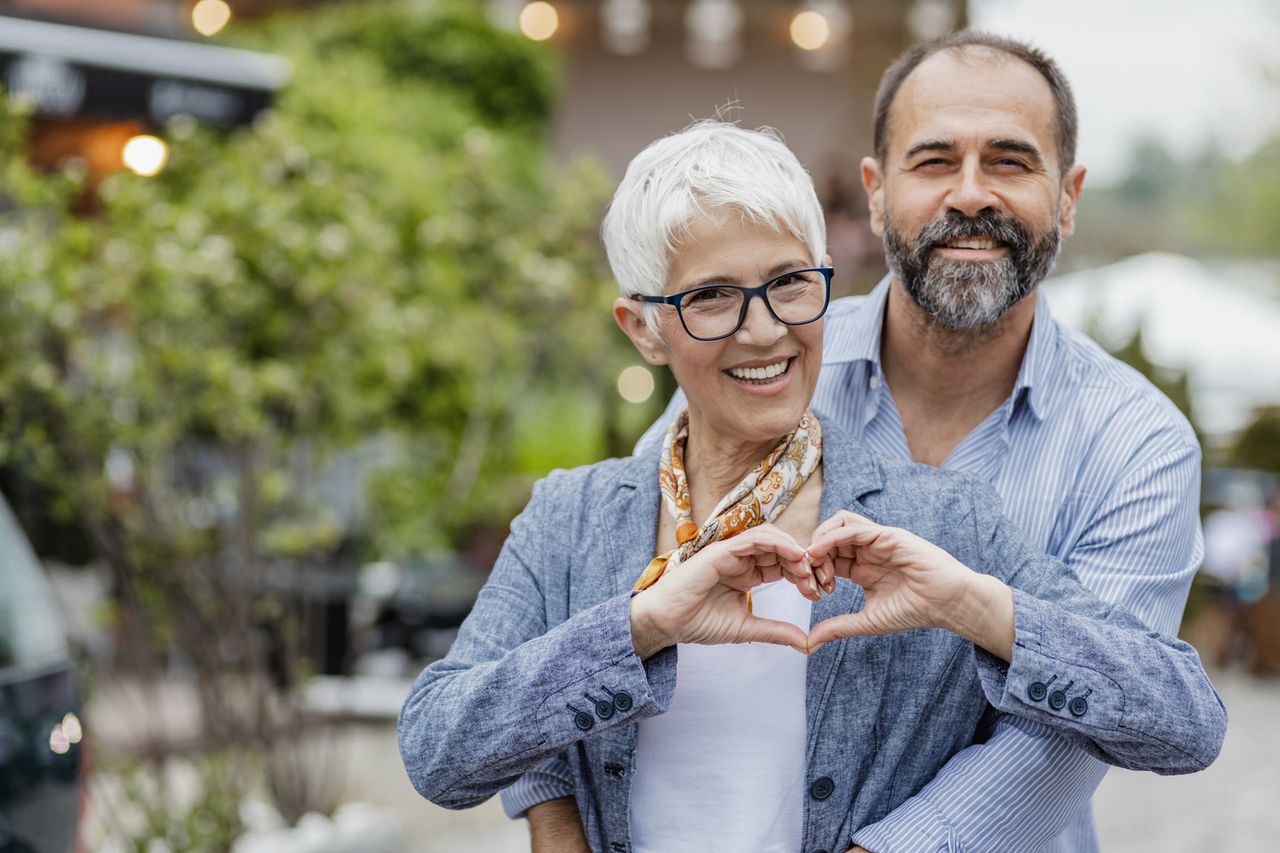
[972, 244]
[775, 369]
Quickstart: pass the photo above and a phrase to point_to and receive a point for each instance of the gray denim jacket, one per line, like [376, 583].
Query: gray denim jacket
[544, 662]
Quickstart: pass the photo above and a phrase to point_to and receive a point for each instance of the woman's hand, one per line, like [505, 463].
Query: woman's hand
[704, 600]
[909, 583]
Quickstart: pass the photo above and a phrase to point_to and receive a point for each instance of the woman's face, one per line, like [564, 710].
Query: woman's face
[726, 404]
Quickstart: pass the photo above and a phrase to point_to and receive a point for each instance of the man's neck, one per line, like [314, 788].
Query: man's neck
[946, 382]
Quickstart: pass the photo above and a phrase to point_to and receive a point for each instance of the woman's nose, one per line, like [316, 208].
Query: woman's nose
[760, 328]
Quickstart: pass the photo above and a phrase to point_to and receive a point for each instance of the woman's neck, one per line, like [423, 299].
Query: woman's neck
[714, 464]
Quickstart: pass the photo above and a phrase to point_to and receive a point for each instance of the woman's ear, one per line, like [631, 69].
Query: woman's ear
[630, 319]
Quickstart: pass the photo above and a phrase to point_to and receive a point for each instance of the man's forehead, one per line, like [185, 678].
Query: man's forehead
[975, 94]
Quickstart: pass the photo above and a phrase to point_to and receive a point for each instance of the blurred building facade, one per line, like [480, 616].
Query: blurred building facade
[98, 75]
[638, 69]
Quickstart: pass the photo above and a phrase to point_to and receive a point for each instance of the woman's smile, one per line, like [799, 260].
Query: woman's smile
[762, 376]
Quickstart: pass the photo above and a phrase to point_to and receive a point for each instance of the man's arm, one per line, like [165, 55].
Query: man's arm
[555, 826]
[1139, 548]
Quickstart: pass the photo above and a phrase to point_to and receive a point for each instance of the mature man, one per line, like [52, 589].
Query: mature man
[954, 360]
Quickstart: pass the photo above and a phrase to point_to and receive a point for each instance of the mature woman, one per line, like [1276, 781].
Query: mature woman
[689, 723]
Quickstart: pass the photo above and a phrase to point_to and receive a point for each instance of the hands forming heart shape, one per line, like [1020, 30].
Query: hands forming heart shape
[908, 582]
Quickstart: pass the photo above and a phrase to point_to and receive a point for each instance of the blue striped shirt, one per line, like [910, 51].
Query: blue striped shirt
[1100, 470]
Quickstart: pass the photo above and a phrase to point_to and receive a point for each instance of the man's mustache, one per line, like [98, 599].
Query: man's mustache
[956, 226]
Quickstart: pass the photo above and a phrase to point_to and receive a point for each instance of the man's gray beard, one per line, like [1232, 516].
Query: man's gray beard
[965, 296]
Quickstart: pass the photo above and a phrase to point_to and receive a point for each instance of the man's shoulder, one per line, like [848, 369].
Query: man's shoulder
[1100, 395]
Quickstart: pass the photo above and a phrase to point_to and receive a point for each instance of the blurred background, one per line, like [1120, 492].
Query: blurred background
[299, 298]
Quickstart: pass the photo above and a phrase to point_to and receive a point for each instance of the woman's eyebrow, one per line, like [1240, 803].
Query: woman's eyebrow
[774, 272]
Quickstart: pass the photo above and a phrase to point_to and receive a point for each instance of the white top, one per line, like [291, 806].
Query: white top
[723, 768]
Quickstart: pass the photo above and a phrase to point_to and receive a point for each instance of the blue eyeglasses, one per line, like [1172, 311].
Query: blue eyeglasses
[717, 311]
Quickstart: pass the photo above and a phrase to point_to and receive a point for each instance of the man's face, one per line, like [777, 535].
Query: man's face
[970, 199]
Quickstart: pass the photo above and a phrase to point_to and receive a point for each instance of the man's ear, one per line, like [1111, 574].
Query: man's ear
[627, 314]
[873, 183]
[1072, 183]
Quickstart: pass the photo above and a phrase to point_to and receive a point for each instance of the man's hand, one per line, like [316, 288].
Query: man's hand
[909, 583]
[705, 599]
[555, 826]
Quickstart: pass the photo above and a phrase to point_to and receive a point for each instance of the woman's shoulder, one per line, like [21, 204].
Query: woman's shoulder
[578, 489]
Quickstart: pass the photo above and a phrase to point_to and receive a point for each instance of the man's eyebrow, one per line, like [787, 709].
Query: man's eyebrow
[931, 145]
[1016, 146]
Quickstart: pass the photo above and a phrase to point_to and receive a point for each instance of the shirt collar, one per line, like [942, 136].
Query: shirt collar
[1037, 361]
[859, 340]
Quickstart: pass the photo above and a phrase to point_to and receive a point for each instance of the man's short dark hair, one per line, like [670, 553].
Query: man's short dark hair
[1064, 101]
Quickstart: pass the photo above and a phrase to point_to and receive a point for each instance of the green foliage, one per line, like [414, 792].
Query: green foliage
[379, 256]
[1258, 447]
[506, 78]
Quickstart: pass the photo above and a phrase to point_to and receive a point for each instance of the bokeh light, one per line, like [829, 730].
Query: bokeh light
[145, 155]
[635, 384]
[210, 16]
[810, 30]
[539, 21]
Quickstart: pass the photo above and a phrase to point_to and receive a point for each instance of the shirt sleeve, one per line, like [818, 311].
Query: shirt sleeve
[550, 780]
[1139, 548]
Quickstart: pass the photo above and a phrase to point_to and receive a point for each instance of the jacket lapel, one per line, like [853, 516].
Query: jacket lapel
[848, 473]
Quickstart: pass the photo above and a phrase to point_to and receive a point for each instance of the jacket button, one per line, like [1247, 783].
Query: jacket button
[622, 701]
[1079, 706]
[583, 720]
[822, 788]
[1036, 691]
[1057, 699]
[604, 709]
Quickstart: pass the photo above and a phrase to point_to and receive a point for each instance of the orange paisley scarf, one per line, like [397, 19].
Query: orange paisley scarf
[761, 496]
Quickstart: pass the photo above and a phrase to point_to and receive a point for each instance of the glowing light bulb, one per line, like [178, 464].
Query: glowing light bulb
[539, 21]
[210, 16]
[145, 155]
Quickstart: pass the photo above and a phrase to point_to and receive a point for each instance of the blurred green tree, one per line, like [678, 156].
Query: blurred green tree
[382, 271]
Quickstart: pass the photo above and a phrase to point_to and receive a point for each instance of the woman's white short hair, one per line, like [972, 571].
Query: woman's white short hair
[705, 167]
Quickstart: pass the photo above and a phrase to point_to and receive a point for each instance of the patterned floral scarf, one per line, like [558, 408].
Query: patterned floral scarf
[761, 496]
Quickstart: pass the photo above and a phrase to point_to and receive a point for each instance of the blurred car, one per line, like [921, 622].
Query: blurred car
[42, 749]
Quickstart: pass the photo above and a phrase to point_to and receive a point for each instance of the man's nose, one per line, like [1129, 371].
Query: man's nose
[972, 192]
[760, 328]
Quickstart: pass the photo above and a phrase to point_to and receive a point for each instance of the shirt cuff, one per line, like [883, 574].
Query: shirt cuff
[537, 786]
[916, 826]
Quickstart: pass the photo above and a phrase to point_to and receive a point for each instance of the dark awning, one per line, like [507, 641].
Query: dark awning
[71, 71]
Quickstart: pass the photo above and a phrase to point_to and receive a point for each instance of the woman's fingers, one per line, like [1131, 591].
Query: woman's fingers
[758, 630]
[840, 627]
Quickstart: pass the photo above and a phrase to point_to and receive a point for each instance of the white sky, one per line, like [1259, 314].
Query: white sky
[1183, 71]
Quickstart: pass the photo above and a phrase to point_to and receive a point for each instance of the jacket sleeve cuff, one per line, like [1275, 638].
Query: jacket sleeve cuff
[613, 684]
[916, 826]
[1040, 686]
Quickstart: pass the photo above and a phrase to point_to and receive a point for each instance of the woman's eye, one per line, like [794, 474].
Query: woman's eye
[709, 294]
